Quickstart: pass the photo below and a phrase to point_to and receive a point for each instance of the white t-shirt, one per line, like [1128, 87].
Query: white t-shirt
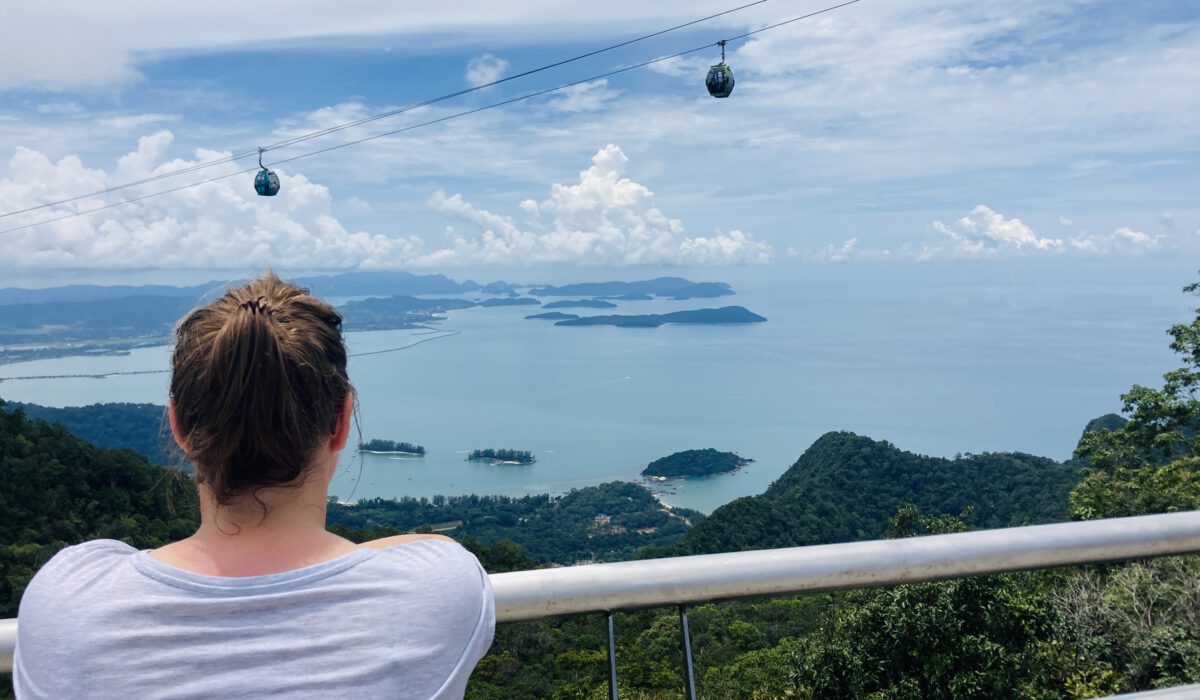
[103, 620]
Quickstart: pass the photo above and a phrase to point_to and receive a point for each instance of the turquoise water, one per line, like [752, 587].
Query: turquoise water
[936, 360]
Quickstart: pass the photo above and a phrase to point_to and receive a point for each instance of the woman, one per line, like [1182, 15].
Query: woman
[261, 601]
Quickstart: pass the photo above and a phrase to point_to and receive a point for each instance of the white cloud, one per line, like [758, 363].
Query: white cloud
[681, 67]
[1064, 221]
[218, 224]
[939, 97]
[986, 233]
[485, 69]
[833, 253]
[134, 122]
[1123, 241]
[605, 218]
[81, 44]
[70, 107]
[843, 252]
[585, 97]
[358, 205]
[52, 46]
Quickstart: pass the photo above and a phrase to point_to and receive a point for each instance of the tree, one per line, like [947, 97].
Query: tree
[1142, 620]
[1149, 464]
[976, 637]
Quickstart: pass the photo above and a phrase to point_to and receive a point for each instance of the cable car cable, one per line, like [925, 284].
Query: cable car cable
[423, 124]
[789, 21]
[355, 142]
[374, 117]
[399, 110]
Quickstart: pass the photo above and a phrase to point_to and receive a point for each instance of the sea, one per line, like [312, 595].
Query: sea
[938, 359]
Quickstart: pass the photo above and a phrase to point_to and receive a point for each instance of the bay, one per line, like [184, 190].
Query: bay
[938, 360]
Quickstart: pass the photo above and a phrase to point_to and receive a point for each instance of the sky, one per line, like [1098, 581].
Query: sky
[905, 133]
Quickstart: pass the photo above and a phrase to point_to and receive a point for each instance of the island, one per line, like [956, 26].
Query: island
[387, 447]
[580, 304]
[636, 296]
[670, 287]
[400, 311]
[554, 316]
[695, 463]
[500, 287]
[723, 315]
[501, 456]
[509, 301]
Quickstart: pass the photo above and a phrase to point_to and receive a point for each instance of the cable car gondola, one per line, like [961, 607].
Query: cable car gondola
[266, 182]
[720, 78]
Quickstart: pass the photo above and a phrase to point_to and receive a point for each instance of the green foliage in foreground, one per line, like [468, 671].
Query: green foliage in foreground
[57, 490]
[1151, 463]
[1058, 634]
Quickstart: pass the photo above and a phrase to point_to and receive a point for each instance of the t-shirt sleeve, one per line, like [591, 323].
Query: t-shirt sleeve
[472, 587]
[46, 620]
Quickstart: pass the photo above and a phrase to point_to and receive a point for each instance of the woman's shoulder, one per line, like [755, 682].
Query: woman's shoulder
[388, 542]
[437, 575]
[94, 557]
[435, 553]
[429, 563]
[71, 574]
[445, 597]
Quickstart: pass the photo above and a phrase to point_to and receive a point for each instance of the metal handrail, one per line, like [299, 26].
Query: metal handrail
[530, 595]
[679, 581]
[1182, 692]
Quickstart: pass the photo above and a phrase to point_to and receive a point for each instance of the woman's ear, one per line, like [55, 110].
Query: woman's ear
[175, 433]
[341, 429]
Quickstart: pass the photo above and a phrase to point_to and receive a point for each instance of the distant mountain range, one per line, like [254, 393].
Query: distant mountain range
[95, 319]
[374, 283]
[346, 284]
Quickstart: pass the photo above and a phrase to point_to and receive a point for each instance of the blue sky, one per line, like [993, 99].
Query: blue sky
[905, 133]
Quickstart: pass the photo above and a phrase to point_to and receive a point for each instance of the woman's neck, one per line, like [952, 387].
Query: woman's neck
[272, 530]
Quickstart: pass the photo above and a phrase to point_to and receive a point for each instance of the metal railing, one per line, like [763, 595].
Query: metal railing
[681, 581]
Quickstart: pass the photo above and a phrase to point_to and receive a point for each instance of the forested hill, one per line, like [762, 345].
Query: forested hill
[141, 427]
[56, 490]
[847, 487]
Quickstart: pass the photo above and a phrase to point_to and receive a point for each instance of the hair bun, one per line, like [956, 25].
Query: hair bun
[257, 305]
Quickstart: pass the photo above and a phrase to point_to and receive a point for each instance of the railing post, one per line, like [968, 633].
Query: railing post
[689, 674]
[612, 657]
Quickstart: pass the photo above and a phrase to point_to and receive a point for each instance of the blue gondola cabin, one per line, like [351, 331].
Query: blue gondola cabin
[719, 81]
[266, 183]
